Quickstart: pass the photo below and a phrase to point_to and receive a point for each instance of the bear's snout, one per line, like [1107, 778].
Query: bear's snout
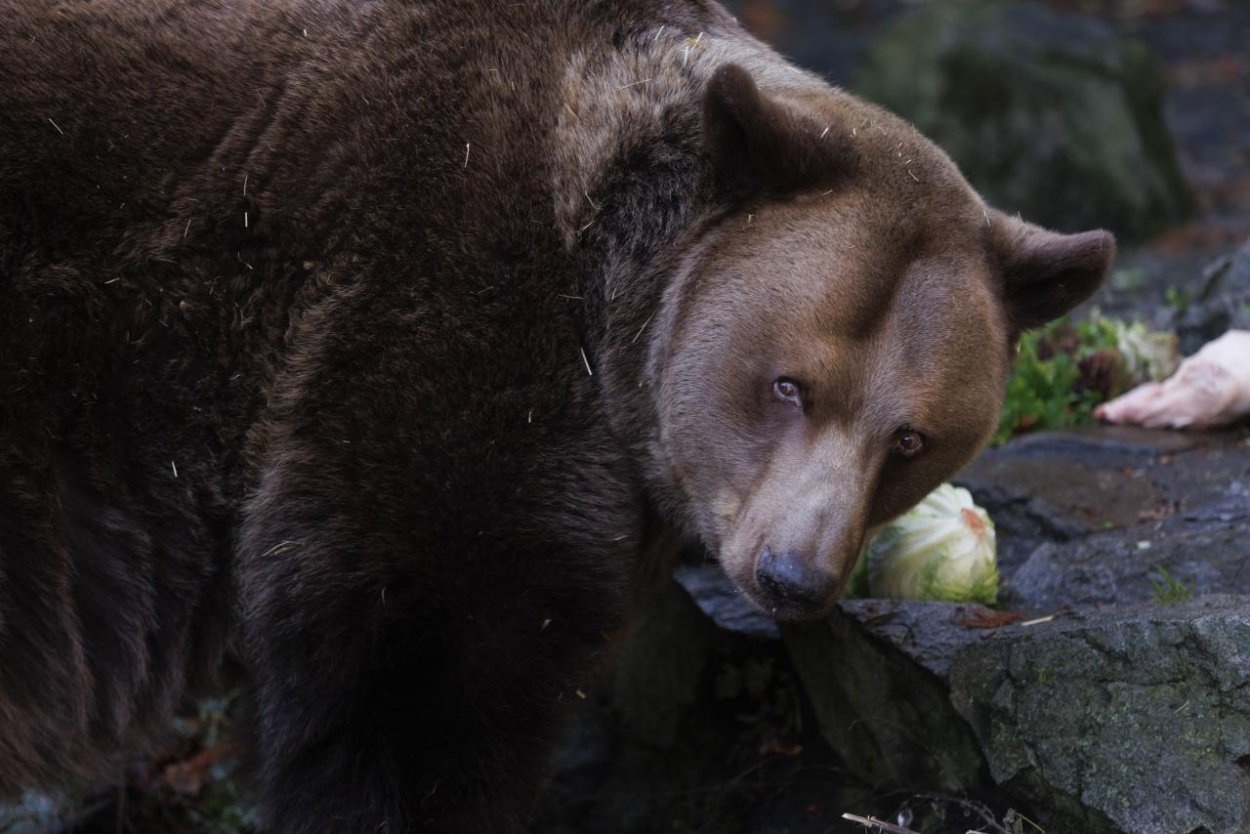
[793, 586]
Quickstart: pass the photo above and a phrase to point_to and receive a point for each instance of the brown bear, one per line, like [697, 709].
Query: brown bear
[374, 342]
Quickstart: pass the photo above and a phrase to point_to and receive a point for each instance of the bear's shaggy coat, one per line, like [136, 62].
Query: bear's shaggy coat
[377, 338]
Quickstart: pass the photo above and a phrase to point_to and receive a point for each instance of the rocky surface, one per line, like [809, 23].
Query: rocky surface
[716, 597]
[1200, 302]
[1221, 302]
[1123, 719]
[1097, 516]
[1107, 695]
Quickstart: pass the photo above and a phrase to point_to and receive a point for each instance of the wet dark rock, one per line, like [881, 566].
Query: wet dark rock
[1121, 720]
[1222, 302]
[1107, 501]
[886, 713]
[1110, 568]
[1108, 695]
[717, 597]
[1108, 692]
[1053, 115]
[1132, 719]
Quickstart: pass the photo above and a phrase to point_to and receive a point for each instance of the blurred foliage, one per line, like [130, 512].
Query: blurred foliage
[207, 780]
[1167, 588]
[1065, 369]
[193, 784]
[1044, 390]
[1053, 115]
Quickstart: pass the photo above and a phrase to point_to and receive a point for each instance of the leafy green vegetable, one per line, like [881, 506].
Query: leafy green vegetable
[943, 549]
[1042, 390]
[1065, 369]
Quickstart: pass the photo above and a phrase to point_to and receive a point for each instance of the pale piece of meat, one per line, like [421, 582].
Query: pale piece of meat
[1209, 389]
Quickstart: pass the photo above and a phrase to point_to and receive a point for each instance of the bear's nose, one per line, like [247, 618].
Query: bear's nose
[793, 582]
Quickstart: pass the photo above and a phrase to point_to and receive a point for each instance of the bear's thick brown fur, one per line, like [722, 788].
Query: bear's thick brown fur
[377, 339]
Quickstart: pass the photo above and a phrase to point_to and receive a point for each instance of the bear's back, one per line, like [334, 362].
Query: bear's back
[192, 195]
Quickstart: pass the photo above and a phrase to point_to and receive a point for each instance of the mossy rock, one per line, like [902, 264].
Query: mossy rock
[1051, 115]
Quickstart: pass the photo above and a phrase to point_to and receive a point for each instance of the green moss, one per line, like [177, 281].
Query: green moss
[1167, 588]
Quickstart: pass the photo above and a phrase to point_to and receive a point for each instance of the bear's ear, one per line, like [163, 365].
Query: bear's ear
[759, 145]
[1045, 274]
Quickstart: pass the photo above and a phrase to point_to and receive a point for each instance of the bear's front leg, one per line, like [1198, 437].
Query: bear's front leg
[417, 607]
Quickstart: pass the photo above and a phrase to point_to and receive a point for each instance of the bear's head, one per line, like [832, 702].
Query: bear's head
[838, 342]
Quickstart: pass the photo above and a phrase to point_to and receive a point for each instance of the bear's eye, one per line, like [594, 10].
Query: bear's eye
[908, 442]
[788, 391]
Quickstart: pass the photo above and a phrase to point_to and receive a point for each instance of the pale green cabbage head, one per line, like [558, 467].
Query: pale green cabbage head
[942, 549]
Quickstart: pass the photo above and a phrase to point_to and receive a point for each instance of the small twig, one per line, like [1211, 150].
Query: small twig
[1038, 621]
[969, 807]
[1013, 814]
[880, 825]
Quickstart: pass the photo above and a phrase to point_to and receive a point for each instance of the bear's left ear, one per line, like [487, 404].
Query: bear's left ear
[759, 145]
[1045, 274]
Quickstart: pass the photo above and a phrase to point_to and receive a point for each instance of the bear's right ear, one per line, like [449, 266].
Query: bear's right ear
[760, 146]
[1045, 274]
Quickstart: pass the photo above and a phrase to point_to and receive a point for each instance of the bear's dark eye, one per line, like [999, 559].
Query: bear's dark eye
[908, 442]
[788, 391]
